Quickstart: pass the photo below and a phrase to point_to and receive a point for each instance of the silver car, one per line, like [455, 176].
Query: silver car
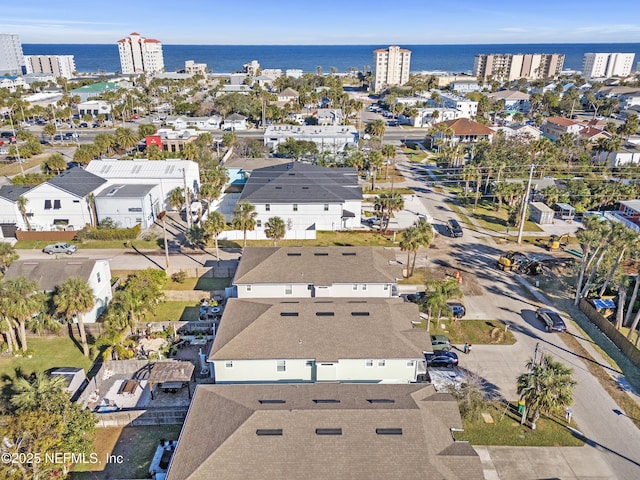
[60, 248]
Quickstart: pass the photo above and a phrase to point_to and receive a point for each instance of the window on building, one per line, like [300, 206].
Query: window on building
[411, 363]
[228, 364]
[355, 287]
[326, 207]
[364, 287]
[281, 366]
[47, 204]
[267, 207]
[382, 363]
[258, 223]
[386, 286]
[288, 289]
[295, 207]
[308, 363]
[248, 287]
[98, 275]
[368, 363]
[57, 205]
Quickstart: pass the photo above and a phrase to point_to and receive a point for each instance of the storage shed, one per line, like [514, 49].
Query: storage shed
[540, 213]
[565, 211]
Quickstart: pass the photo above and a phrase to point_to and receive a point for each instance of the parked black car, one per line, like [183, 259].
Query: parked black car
[455, 230]
[552, 320]
[441, 358]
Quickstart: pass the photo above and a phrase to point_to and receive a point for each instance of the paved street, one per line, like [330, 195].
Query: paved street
[611, 438]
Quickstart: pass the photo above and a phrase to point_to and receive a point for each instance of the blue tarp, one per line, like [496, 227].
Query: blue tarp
[600, 303]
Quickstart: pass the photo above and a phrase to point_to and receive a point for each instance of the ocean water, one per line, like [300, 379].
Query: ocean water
[230, 58]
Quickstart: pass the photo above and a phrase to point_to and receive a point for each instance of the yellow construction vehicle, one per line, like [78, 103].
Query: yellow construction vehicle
[557, 241]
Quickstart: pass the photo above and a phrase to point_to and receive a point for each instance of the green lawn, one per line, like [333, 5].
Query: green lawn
[487, 216]
[476, 332]
[202, 283]
[174, 311]
[379, 191]
[324, 239]
[506, 430]
[136, 445]
[47, 353]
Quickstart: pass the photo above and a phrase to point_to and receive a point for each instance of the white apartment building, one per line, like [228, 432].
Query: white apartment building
[509, 67]
[252, 68]
[391, 67]
[140, 55]
[57, 65]
[194, 68]
[11, 57]
[467, 108]
[605, 65]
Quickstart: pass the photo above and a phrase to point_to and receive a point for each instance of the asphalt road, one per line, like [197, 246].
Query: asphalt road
[498, 295]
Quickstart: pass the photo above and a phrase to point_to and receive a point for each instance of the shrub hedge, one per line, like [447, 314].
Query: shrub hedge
[109, 233]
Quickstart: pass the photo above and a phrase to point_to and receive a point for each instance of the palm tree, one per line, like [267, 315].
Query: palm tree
[24, 301]
[190, 151]
[37, 392]
[425, 237]
[244, 219]
[275, 229]
[589, 238]
[623, 239]
[73, 299]
[213, 226]
[376, 128]
[54, 163]
[375, 161]
[439, 293]
[7, 327]
[409, 243]
[389, 152]
[126, 138]
[7, 256]
[176, 198]
[91, 201]
[22, 202]
[547, 388]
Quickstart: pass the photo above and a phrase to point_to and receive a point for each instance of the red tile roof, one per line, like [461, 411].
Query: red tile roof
[565, 122]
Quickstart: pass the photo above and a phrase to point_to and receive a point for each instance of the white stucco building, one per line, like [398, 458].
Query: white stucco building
[129, 205]
[57, 65]
[606, 65]
[11, 57]
[140, 55]
[328, 138]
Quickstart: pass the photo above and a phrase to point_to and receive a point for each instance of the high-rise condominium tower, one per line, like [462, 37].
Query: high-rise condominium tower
[58, 65]
[391, 67]
[11, 58]
[140, 55]
[508, 67]
[605, 65]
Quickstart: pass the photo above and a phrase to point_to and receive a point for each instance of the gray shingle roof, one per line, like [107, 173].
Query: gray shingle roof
[125, 191]
[323, 329]
[301, 183]
[50, 273]
[77, 181]
[222, 436]
[13, 192]
[321, 266]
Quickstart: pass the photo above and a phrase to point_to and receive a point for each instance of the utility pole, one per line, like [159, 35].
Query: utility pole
[15, 138]
[525, 200]
[161, 216]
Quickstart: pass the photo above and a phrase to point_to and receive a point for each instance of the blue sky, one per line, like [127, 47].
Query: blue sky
[324, 22]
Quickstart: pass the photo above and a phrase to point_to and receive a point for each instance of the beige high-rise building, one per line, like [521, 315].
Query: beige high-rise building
[11, 58]
[509, 67]
[391, 67]
[605, 65]
[57, 65]
[140, 55]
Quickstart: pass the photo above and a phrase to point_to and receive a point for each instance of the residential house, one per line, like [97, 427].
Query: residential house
[12, 83]
[288, 95]
[524, 131]
[130, 205]
[553, 127]
[514, 101]
[335, 431]
[627, 154]
[328, 138]
[234, 122]
[173, 141]
[294, 272]
[10, 216]
[291, 72]
[465, 86]
[466, 131]
[628, 214]
[307, 197]
[592, 134]
[94, 90]
[468, 108]
[50, 273]
[62, 202]
[426, 117]
[264, 81]
[168, 174]
[309, 340]
[241, 89]
[329, 116]
[190, 66]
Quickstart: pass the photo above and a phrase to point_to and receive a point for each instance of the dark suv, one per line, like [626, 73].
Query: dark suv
[552, 320]
[455, 230]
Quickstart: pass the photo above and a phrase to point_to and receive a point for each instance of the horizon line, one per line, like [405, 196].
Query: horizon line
[341, 44]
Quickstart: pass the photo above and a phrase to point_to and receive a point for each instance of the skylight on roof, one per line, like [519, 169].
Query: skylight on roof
[325, 314]
[326, 400]
[359, 314]
[321, 254]
[348, 254]
[294, 254]
[381, 400]
[328, 431]
[269, 401]
[389, 431]
[265, 432]
[288, 314]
